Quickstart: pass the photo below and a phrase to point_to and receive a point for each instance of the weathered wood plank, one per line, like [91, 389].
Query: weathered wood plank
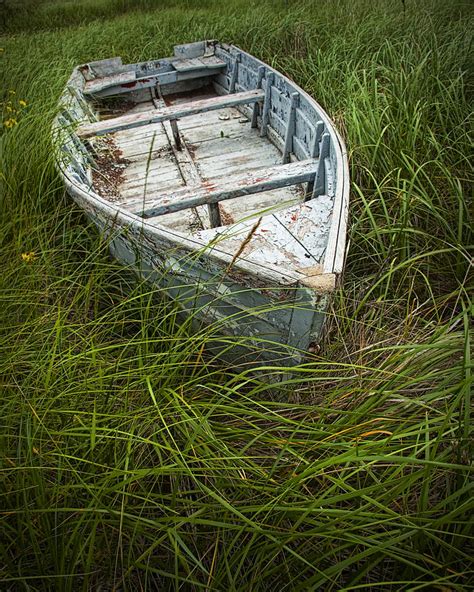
[167, 113]
[227, 147]
[266, 103]
[261, 74]
[210, 118]
[199, 216]
[251, 155]
[189, 64]
[235, 74]
[190, 50]
[317, 138]
[165, 79]
[100, 68]
[229, 187]
[214, 215]
[97, 84]
[129, 140]
[290, 127]
[221, 131]
[320, 177]
[295, 237]
[175, 131]
[156, 181]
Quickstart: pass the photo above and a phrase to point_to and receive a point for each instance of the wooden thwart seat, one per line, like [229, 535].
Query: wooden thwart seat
[168, 113]
[96, 85]
[229, 187]
[187, 65]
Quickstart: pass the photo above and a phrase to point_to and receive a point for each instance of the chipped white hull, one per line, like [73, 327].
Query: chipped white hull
[228, 189]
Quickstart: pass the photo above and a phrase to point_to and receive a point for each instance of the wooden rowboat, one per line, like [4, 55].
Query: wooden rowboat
[218, 179]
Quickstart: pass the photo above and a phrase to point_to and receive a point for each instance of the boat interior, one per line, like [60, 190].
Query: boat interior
[209, 145]
[216, 145]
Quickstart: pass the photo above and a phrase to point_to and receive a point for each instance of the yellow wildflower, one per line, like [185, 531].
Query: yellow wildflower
[22, 103]
[9, 109]
[29, 256]
[10, 122]
[12, 92]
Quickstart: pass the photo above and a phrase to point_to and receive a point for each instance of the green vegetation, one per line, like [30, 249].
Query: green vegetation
[130, 464]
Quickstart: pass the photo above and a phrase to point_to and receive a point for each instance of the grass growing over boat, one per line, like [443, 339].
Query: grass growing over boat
[128, 462]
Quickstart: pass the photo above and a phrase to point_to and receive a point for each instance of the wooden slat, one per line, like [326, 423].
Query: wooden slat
[320, 177]
[314, 153]
[235, 74]
[290, 128]
[175, 131]
[229, 187]
[101, 68]
[187, 65]
[190, 50]
[173, 112]
[266, 103]
[261, 74]
[97, 84]
[214, 215]
[317, 138]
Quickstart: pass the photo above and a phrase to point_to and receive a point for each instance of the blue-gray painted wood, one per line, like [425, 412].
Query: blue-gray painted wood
[317, 139]
[190, 50]
[256, 107]
[235, 74]
[320, 178]
[290, 127]
[314, 153]
[266, 103]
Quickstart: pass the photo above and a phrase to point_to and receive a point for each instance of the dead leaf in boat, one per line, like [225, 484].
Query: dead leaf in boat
[224, 116]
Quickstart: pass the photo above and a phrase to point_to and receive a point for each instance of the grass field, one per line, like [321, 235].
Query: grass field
[127, 463]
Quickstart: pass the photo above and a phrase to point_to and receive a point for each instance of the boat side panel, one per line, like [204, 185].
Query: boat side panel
[231, 302]
[307, 323]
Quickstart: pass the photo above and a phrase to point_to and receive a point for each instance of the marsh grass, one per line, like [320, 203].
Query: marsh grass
[134, 460]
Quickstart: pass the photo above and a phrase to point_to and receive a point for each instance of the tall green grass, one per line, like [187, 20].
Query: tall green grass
[132, 459]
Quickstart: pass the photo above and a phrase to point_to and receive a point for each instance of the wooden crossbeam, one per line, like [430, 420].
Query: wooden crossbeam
[124, 122]
[224, 188]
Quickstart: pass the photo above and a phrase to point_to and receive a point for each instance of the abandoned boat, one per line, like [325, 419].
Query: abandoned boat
[219, 180]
